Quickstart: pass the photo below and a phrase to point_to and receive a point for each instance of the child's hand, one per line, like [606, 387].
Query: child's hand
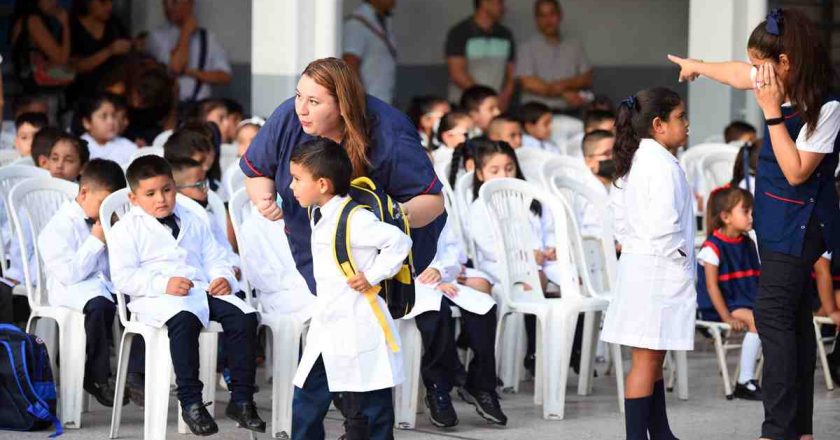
[688, 70]
[769, 91]
[550, 254]
[219, 287]
[736, 325]
[429, 276]
[359, 283]
[539, 257]
[179, 286]
[97, 231]
[450, 290]
[267, 205]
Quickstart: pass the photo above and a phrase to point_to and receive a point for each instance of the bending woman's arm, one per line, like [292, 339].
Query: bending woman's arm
[423, 209]
[735, 74]
[263, 195]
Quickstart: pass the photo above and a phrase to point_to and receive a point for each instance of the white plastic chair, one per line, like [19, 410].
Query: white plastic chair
[228, 156]
[35, 201]
[564, 128]
[568, 167]
[508, 203]
[717, 168]
[531, 161]
[233, 178]
[283, 336]
[820, 321]
[692, 158]
[158, 366]
[146, 151]
[217, 206]
[450, 203]
[8, 156]
[406, 394]
[9, 177]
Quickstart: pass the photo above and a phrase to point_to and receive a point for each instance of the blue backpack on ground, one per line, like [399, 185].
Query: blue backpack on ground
[27, 389]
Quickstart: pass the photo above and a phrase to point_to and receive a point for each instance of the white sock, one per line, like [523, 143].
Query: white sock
[749, 356]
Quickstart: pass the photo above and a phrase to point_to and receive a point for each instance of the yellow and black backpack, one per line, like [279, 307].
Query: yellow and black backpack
[398, 292]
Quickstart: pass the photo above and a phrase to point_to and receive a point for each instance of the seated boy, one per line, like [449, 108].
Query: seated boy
[165, 258]
[505, 128]
[598, 156]
[26, 125]
[599, 120]
[739, 133]
[353, 345]
[72, 247]
[482, 104]
[536, 121]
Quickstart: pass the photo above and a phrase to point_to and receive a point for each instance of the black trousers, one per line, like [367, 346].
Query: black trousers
[99, 322]
[784, 321]
[7, 307]
[241, 329]
[440, 365]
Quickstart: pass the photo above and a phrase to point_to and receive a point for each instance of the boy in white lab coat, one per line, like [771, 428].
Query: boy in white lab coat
[72, 246]
[353, 345]
[166, 259]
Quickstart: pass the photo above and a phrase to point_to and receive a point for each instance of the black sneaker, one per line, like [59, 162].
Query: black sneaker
[199, 420]
[748, 391]
[441, 412]
[245, 415]
[103, 392]
[486, 405]
[530, 364]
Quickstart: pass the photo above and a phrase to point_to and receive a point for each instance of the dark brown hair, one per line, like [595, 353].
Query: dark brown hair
[723, 200]
[811, 76]
[634, 121]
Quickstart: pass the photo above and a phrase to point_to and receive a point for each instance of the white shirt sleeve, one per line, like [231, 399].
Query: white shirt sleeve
[216, 56]
[708, 255]
[826, 255]
[354, 37]
[823, 137]
[447, 259]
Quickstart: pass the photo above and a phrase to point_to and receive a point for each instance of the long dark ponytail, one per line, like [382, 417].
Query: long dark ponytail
[635, 118]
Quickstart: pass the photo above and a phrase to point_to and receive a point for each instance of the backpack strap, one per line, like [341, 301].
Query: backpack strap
[344, 260]
[202, 61]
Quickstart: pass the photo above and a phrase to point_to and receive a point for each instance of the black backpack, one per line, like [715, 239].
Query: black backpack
[398, 292]
[27, 389]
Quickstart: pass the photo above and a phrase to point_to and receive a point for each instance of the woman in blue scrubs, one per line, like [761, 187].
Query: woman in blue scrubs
[382, 144]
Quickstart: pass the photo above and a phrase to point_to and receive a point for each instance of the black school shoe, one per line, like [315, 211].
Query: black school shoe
[486, 404]
[748, 391]
[103, 392]
[245, 415]
[441, 412]
[199, 420]
[136, 384]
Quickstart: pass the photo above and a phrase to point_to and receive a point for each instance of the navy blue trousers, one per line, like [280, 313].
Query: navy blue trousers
[99, 324]
[368, 415]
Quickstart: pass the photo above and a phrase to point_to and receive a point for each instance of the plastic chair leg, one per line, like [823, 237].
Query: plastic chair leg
[72, 370]
[587, 352]
[720, 351]
[511, 361]
[285, 340]
[829, 382]
[269, 353]
[618, 361]
[558, 349]
[681, 368]
[158, 373]
[405, 394]
[120, 379]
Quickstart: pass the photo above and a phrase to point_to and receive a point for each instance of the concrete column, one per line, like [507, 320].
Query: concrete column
[718, 31]
[286, 36]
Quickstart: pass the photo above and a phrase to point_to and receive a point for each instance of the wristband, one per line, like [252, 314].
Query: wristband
[774, 121]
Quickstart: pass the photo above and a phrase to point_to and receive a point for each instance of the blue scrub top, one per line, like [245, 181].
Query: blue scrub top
[397, 162]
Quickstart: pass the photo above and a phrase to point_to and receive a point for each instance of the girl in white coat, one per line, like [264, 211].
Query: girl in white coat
[655, 300]
[99, 125]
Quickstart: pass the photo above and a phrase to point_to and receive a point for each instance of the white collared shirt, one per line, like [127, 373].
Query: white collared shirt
[118, 149]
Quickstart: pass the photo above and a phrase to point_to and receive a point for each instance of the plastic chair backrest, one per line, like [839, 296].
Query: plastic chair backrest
[717, 168]
[35, 201]
[599, 251]
[115, 204]
[452, 212]
[568, 167]
[691, 159]
[228, 155]
[146, 151]
[239, 208]
[233, 178]
[565, 127]
[508, 203]
[9, 177]
[8, 156]
[217, 209]
[531, 161]
[463, 200]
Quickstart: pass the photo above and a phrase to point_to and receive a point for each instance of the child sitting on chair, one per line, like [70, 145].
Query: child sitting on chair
[72, 247]
[166, 259]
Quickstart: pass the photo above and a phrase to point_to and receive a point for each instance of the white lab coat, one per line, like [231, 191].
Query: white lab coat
[118, 149]
[75, 262]
[268, 265]
[655, 300]
[542, 237]
[529, 141]
[449, 261]
[220, 234]
[344, 330]
[144, 256]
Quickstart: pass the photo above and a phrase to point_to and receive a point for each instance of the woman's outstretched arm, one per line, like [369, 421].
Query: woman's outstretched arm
[735, 74]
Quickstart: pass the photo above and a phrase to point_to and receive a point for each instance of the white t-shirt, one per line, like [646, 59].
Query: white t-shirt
[364, 37]
[118, 149]
[708, 255]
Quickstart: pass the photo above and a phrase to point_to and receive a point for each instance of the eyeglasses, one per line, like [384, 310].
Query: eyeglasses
[200, 185]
